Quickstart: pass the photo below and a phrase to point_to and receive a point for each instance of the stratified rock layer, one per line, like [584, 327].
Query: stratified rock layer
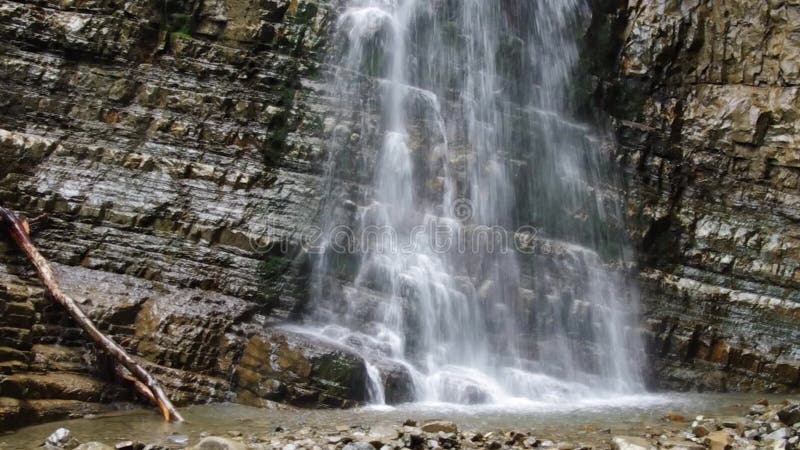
[706, 108]
[178, 146]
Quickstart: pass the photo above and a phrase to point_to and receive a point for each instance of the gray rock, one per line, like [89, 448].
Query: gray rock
[94, 446]
[777, 435]
[790, 415]
[59, 437]
[631, 443]
[675, 50]
[178, 439]
[358, 446]
[681, 445]
[218, 443]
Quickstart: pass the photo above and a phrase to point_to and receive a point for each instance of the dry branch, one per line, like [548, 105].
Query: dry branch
[19, 231]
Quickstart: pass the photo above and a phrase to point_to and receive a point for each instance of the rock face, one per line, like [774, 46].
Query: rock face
[705, 102]
[177, 147]
[287, 366]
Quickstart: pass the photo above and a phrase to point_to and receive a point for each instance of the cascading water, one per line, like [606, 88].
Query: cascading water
[470, 223]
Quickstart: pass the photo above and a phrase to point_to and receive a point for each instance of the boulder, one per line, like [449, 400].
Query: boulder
[300, 369]
[398, 384]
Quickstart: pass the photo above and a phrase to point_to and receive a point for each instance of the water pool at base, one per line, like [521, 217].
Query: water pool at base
[590, 421]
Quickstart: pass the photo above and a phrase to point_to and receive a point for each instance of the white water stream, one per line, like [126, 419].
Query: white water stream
[454, 123]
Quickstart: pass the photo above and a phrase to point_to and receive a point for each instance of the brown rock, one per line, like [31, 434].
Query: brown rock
[439, 426]
[719, 440]
[9, 413]
[675, 417]
[701, 430]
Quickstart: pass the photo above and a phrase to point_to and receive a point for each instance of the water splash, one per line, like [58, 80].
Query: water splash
[453, 119]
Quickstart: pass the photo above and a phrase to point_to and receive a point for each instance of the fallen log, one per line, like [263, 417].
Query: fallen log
[19, 231]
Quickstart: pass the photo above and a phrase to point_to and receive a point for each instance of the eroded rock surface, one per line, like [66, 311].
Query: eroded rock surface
[705, 104]
[172, 142]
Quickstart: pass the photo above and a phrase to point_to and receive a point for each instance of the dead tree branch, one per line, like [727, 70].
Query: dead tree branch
[19, 231]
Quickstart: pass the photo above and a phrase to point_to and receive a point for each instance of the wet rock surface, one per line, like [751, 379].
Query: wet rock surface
[281, 365]
[171, 146]
[703, 104]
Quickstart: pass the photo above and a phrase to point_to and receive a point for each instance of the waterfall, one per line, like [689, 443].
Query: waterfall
[471, 231]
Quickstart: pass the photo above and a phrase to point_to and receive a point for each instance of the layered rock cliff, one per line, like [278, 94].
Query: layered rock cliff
[171, 144]
[178, 149]
[705, 105]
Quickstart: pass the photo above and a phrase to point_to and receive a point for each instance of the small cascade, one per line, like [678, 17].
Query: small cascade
[470, 230]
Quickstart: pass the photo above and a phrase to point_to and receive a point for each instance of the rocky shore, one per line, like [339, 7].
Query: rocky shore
[762, 425]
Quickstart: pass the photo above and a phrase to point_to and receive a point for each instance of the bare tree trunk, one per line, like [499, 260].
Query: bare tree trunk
[19, 231]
